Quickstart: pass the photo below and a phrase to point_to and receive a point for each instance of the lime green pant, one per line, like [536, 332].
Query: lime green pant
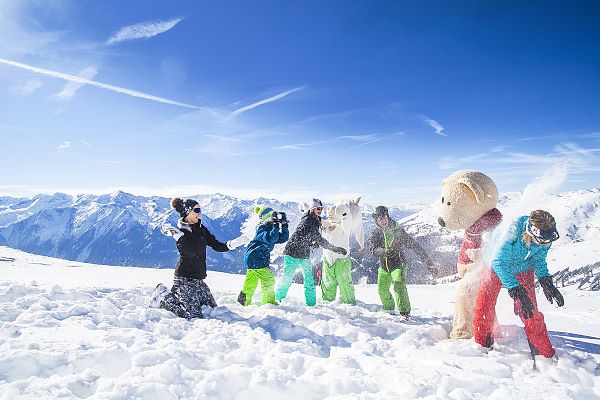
[338, 274]
[398, 278]
[290, 265]
[267, 285]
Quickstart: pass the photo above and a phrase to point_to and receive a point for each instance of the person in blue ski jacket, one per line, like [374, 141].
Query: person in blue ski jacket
[272, 230]
[514, 261]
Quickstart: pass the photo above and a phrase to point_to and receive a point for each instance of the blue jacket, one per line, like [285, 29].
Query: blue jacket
[258, 252]
[515, 257]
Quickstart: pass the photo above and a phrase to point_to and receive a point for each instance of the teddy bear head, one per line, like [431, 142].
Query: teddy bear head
[466, 196]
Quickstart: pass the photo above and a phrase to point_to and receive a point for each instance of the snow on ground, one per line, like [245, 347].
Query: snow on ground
[74, 330]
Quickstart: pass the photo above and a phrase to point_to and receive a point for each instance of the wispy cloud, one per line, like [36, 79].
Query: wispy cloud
[298, 146]
[361, 145]
[525, 158]
[142, 30]
[359, 138]
[437, 127]
[449, 162]
[63, 146]
[85, 143]
[262, 102]
[83, 81]
[594, 135]
[27, 88]
[227, 146]
[70, 88]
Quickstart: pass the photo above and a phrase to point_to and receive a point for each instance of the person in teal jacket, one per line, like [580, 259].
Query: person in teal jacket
[520, 255]
[258, 255]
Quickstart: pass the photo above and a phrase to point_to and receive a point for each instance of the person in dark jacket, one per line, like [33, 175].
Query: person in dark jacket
[297, 253]
[388, 243]
[189, 292]
[258, 256]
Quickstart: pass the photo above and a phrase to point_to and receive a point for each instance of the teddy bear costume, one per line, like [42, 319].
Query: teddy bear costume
[469, 200]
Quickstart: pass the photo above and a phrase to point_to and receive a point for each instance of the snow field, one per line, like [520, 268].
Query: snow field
[72, 330]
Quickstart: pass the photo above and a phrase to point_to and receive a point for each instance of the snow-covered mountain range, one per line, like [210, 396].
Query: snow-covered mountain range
[123, 229]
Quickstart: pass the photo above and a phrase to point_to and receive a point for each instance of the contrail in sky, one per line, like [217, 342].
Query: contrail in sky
[84, 81]
[261, 102]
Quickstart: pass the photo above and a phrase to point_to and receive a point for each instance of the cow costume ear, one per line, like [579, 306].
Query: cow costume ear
[303, 207]
[475, 188]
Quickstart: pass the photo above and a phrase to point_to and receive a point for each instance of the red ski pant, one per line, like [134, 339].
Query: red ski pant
[535, 328]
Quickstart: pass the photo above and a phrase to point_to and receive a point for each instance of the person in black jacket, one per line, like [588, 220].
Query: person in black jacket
[189, 292]
[388, 243]
[297, 253]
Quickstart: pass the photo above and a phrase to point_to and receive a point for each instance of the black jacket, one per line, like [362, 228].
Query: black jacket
[389, 246]
[306, 236]
[192, 250]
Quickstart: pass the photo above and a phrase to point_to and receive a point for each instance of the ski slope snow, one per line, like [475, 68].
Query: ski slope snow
[75, 330]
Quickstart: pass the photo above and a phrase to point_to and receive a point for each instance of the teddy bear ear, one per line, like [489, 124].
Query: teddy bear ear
[475, 187]
[357, 200]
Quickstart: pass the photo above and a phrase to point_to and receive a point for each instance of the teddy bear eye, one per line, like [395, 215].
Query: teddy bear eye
[442, 200]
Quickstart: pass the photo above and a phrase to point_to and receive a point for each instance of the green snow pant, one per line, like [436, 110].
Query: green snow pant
[290, 265]
[267, 285]
[338, 274]
[398, 278]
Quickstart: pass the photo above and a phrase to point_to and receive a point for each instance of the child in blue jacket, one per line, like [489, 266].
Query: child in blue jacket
[271, 231]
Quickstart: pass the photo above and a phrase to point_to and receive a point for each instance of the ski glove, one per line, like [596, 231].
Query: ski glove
[550, 291]
[235, 243]
[519, 293]
[170, 230]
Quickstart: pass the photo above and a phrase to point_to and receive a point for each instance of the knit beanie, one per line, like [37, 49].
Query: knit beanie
[263, 212]
[380, 211]
[183, 207]
[316, 203]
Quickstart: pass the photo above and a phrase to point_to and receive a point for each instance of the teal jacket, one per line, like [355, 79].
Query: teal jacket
[515, 257]
[258, 253]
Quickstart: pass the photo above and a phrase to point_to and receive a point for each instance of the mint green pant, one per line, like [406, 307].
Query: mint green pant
[398, 278]
[267, 285]
[338, 274]
[290, 265]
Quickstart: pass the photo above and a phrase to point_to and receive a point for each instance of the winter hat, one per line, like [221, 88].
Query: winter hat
[183, 207]
[263, 212]
[316, 203]
[380, 211]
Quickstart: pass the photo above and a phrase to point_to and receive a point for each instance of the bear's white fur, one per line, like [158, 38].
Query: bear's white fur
[467, 196]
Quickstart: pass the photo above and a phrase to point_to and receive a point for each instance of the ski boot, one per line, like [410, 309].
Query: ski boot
[157, 297]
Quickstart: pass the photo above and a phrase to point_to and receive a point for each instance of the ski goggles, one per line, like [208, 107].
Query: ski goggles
[543, 236]
[197, 210]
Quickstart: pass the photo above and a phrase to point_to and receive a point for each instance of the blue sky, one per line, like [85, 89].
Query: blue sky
[294, 100]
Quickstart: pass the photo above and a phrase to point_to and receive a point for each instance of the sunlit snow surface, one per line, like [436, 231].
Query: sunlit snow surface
[70, 330]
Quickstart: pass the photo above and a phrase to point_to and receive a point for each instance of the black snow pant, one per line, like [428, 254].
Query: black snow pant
[187, 296]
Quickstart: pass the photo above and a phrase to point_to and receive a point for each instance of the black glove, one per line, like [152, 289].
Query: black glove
[550, 291]
[340, 250]
[519, 293]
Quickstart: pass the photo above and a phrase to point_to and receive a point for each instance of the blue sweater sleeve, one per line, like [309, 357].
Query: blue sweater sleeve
[267, 234]
[285, 234]
[502, 262]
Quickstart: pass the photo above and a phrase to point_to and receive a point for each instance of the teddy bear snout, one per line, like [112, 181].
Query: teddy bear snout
[441, 222]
